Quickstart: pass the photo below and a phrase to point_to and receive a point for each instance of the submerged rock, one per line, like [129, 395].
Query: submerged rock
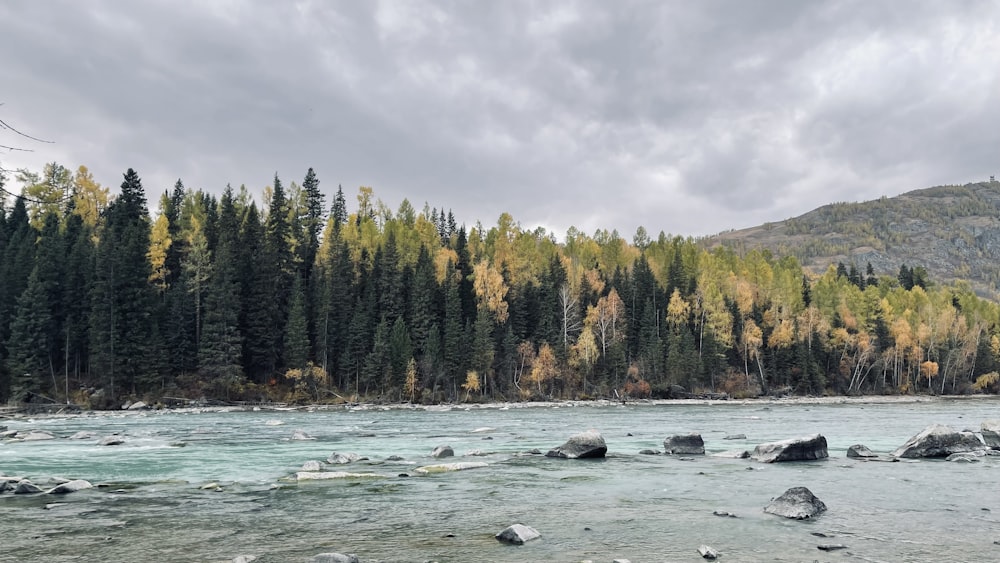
[443, 451]
[335, 558]
[517, 534]
[707, 552]
[70, 487]
[446, 467]
[733, 454]
[337, 458]
[966, 457]
[797, 503]
[735, 437]
[244, 558]
[301, 435]
[684, 444]
[324, 475]
[860, 450]
[36, 435]
[794, 449]
[312, 465]
[583, 445]
[83, 435]
[649, 452]
[831, 546]
[111, 441]
[273, 422]
[938, 440]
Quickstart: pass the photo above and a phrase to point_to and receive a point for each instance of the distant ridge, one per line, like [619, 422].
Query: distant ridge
[952, 231]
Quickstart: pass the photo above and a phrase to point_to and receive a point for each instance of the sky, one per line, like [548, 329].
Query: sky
[684, 117]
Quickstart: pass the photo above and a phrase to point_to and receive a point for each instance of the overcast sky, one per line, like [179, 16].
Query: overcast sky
[681, 116]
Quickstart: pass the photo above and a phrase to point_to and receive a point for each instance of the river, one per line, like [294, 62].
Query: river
[151, 504]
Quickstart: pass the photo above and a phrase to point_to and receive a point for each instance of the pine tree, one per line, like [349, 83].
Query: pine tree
[122, 302]
[30, 340]
[255, 318]
[296, 343]
[220, 352]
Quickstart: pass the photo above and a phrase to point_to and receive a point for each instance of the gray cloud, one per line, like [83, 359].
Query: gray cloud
[684, 117]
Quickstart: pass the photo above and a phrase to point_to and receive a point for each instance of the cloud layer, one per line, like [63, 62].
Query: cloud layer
[683, 117]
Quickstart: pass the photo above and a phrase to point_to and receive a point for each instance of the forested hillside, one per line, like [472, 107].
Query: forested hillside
[953, 232]
[302, 299]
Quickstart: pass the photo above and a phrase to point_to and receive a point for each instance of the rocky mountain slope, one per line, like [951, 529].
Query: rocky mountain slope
[952, 231]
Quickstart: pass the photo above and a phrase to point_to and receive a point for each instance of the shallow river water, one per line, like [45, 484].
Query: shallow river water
[644, 508]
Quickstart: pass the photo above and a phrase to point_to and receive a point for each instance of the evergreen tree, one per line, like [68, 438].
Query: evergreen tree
[77, 273]
[277, 268]
[220, 352]
[123, 298]
[296, 343]
[255, 320]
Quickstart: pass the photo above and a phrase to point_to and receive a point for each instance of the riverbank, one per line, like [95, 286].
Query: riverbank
[73, 410]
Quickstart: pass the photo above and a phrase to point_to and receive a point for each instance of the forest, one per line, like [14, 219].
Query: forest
[300, 300]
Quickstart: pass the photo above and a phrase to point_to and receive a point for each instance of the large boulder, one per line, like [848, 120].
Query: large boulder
[991, 433]
[443, 451]
[70, 487]
[583, 445]
[860, 451]
[938, 440]
[517, 534]
[797, 503]
[794, 449]
[684, 444]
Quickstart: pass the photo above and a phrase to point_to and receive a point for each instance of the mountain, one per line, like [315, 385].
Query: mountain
[951, 231]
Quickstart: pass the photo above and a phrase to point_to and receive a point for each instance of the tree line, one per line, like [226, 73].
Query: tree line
[298, 299]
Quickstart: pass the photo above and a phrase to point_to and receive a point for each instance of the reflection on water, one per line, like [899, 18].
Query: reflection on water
[640, 507]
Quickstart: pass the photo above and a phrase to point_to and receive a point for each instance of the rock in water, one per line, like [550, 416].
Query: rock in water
[938, 440]
[301, 435]
[859, 450]
[326, 475]
[967, 457]
[343, 459]
[138, 405]
[83, 435]
[447, 467]
[583, 445]
[335, 558]
[684, 444]
[735, 437]
[991, 433]
[35, 435]
[443, 451]
[831, 546]
[707, 552]
[70, 487]
[518, 534]
[26, 487]
[795, 449]
[111, 441]
[797, 503]
[311, 465]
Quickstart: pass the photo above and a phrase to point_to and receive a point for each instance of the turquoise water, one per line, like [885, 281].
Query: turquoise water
[644, 508]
